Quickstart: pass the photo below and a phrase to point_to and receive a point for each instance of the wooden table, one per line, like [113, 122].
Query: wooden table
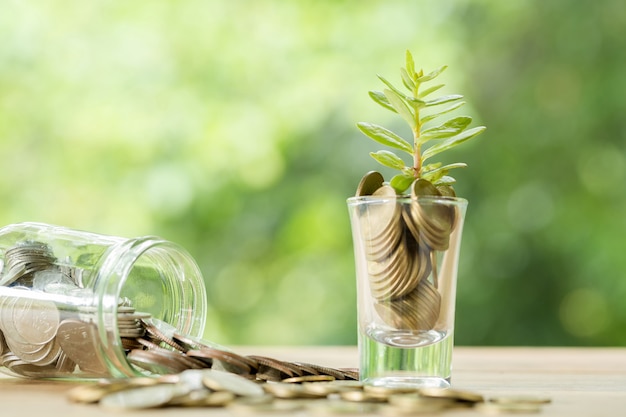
[580, 381]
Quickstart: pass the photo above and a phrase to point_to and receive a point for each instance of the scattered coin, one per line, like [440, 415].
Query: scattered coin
[360, 396]
[507, 408]
[308, 378]
[143, 397]
[520, 399]
[225, 381]
[454, 394]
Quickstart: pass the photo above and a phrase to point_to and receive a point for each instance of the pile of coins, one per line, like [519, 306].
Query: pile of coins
[23, 261]
[317, 395]
[401, 243]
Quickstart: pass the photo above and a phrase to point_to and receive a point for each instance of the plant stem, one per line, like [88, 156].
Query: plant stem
[417, 152]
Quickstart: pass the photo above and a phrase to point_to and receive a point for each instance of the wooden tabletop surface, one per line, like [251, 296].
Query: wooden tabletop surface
[580, 381]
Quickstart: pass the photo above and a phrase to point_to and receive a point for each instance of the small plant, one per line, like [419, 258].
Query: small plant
[412, 104]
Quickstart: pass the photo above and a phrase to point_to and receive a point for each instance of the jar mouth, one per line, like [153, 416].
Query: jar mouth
[149, 277]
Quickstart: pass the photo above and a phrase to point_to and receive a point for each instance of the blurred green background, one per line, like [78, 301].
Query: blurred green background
[229, 128]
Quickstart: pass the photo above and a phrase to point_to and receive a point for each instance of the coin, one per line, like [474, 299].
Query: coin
[414, 401]
[143, 397]
[385, 391]
[370, 182]
[225, 381]
[87, 394]
[222, 360]
[3, 344]
[157, 361]
[289, 391]
[507, 408]
[520, 399]
[457, 395]
[360, 396]
[36, 321]
[78, 340]
[382, 217]
[308, 378]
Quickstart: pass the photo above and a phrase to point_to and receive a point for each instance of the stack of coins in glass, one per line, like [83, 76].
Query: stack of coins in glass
[402, 238]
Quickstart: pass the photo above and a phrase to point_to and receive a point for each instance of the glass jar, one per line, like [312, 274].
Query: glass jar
[73, 303]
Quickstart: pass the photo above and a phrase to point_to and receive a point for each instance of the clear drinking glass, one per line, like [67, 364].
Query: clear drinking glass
[71, 302]
[406, 255]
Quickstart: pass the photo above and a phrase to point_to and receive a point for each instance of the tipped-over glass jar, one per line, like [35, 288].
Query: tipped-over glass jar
[73, 303]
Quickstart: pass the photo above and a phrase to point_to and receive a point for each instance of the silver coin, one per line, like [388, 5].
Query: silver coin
[143, 397]
[79, 341]
[225, 381]
[36, 320]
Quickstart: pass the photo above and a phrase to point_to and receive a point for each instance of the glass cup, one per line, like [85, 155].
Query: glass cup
[406, 255]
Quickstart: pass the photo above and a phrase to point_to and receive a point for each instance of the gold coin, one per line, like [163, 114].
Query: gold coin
[87, 394]
[520, 399]
[370, 182]
[308, 378]
[419, 402]
[218, 399]
[384, 392]
[446, 190]
[382, 217]
[458, 395]
[288, 391]
[497, 408]
[359, 396]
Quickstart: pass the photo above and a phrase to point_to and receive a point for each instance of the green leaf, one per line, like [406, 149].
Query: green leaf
[431, 75]
[433, 176]
[401, 107]
[445, 180]
[430, 117]
[394, 89]
[385, 136]
[443, 99]
[447, 129]
[431, 167]
[416, 102]
[388, 159]
[401, 182]
[380, 98]
[440, 171]
[410, 64]
[452, 142]
[407, 80]
[430, 90]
